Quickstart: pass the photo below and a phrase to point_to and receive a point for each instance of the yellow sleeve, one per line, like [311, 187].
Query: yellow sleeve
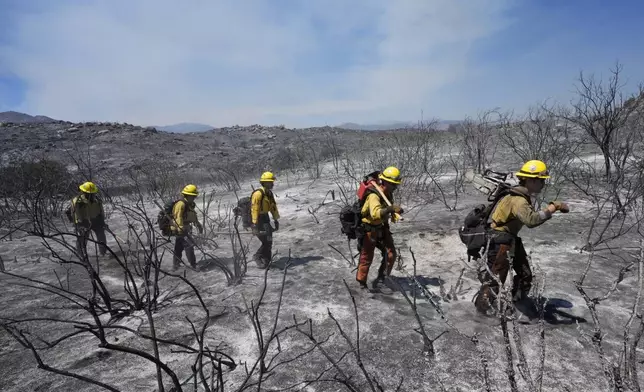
[526, 214]
[255, 206]
[374, 206]
[177, 214]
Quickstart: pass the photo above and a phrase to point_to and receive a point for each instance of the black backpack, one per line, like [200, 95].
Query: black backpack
[243, 208]
[350, 218]
[164, 218]
[475, 230]
[351, 215]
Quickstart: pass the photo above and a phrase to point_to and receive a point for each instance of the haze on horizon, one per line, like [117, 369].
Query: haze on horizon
[305, 63]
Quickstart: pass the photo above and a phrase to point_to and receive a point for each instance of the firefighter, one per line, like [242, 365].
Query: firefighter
[374, 230]
[183, 217]
[512, 212]
[263, 202]
[88, 215]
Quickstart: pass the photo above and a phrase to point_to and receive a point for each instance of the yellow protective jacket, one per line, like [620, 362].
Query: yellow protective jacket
[85, 211]
[266, 198]
[514, 211]
[183, 216]
[372, 208]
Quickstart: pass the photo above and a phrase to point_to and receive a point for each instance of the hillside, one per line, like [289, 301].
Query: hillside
[22, 118]
[116, 147]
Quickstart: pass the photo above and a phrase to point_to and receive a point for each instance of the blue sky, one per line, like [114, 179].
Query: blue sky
[306, 62]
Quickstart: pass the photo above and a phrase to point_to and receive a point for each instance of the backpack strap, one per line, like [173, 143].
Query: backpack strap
[260, 189]
[255, 190]
[501, 195]
[367, 192]
[185, 209]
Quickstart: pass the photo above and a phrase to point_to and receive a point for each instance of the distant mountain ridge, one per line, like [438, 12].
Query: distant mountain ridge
[22, 118]
[185, 127]
[375, 127]
[444, 124]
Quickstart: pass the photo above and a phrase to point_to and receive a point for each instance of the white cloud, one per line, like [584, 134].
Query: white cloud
[226, 62]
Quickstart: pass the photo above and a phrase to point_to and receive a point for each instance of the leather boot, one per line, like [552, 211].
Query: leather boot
[483, 300]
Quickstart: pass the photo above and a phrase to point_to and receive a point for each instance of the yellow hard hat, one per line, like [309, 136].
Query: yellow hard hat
[267, 176]
[533, 169]
[391, 174]
[190, 190]
[88, 187]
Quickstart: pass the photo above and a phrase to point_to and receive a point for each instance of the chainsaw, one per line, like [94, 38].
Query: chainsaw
[490, 182]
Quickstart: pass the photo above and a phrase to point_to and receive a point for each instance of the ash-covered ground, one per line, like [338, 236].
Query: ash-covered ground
[314, 288]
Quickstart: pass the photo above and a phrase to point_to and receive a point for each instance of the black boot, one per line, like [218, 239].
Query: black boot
[260, 261]
[377, 281]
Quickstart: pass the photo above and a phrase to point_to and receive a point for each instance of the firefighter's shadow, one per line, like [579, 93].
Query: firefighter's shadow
[209, 264]
[553, 313]
[121, 253]
[282, 262]
[412, 286]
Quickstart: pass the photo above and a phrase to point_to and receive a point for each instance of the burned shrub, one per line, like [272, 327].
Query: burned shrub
[50, 178]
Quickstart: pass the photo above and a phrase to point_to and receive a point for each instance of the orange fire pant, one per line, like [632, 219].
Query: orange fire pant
[376, 240]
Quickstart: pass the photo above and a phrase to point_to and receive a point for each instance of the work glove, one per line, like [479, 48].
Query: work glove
[277, 225]
[560, 206]
[398, 209]
[200, 228]
[386, 212]
[255, 229]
